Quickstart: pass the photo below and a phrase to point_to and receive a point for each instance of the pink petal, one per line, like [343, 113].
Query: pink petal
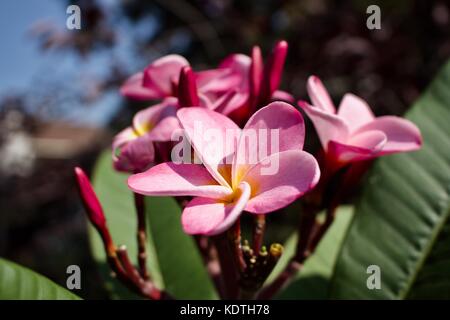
[355, 111]
[122, 138]
[133, 88]
[277, 122]
[283, 96]
[237, 63]
[297, 172]
[402, 135]
[211, 217]
[328, 126]
[216, 80]
[160, 74]
[363, 146]
[135, 155]
[207, 132]
[169, 179]
[165, 129]
[370, 139]
[145, 120]
[319, 95]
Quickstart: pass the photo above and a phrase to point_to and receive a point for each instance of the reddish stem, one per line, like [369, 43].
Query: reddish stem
[227, 266]
[259, 227]
[141, 235]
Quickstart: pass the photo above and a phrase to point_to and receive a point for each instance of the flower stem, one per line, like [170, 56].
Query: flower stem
[141, 235]
[281, 281]
[259, 227]
[227, 266]
[141, 286]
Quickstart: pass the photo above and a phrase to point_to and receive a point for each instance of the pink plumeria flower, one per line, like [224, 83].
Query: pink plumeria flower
[223, 190]
[353, 133]
[161, 79]
[133, 147]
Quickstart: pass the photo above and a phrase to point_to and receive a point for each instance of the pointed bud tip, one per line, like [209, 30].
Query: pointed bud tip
[282, 44]
[187, 88]
[186, 70]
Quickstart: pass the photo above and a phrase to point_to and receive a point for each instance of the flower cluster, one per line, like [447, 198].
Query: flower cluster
[248, 156]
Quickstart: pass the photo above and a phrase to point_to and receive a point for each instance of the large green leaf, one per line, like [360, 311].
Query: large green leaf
[173, 259]
[20, 283]
[313, 280]
[402, 221]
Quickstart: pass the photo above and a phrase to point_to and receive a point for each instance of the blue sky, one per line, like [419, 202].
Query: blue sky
[23, 64]
[20, 57]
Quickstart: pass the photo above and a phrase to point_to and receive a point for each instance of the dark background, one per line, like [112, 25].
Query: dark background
[59, 103]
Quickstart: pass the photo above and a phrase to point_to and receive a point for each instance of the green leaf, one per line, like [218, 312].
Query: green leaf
[173, 259]
[402, 221]
[20, 283]
[313, 280]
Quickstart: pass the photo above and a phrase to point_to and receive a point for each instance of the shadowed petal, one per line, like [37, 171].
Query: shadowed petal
[133, 155]
[328, 125]
[230, 101]
[164, 129]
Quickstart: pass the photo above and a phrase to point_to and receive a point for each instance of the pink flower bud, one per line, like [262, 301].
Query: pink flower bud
[273, 70]
[256, 75]
[187, 88]
[90, 201]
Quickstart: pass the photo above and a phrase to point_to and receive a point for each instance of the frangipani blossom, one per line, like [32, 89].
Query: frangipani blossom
[353, 133]
[223, 190]
[161, 79]
[133, 147]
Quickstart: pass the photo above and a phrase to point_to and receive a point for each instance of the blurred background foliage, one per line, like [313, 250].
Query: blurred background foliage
[59, 101]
